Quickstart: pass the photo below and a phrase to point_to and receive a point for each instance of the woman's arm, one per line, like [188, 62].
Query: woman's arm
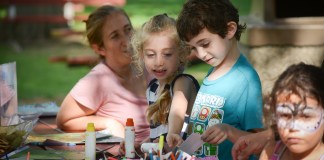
[73, 116]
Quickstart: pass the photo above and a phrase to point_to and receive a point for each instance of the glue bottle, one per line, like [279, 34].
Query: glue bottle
[129, 138]
[90, 142]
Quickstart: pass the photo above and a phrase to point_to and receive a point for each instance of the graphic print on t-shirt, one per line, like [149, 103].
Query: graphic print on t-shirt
[207, 111]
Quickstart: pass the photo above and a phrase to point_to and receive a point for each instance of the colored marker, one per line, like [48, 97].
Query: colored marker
[151, 154]
[161, 142]
[172, 156]
[180, 156]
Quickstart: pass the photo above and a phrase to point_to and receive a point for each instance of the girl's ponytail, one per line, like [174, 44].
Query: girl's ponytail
[159, 111]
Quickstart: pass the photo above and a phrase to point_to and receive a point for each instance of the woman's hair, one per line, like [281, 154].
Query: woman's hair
[214, 15]
[158, 111]
[300, 79]
[96, 21]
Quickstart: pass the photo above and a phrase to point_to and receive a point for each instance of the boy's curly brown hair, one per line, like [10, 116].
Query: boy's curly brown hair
[211, 14]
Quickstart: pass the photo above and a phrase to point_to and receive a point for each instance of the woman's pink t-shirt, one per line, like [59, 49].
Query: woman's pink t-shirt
[100, 90]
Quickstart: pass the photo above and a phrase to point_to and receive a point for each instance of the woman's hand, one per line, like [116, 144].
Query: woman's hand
[173, 140]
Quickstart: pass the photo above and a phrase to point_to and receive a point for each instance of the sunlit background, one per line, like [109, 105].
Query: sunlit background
[45, 53]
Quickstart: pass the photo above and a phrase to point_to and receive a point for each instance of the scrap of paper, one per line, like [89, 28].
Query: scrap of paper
[192, 143]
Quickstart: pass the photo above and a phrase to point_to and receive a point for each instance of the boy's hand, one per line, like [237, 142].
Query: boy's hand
[173, 140]
[215, 134]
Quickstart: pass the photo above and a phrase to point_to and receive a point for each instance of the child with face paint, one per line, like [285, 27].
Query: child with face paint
[297, 101]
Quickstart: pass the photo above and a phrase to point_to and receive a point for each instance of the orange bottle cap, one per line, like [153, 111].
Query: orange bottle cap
[129, 122]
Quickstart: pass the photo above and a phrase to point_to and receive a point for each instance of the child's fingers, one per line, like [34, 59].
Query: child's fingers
[238, 147]
[244, 154]
[215, 137]
[172, 141]
[169, 140]
[222, 139]
[179, 141]
[211, 130]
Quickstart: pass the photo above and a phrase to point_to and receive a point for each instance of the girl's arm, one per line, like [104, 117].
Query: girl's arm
[268, 150]
[252, 144]
[182, 93]
[73, 116]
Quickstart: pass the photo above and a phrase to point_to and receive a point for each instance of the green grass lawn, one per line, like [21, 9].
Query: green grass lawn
[40, 80]
[37, 78]
[141, 10]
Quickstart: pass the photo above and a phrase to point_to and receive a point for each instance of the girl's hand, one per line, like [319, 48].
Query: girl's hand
[173, 140]
[215, 134]
[251, 144]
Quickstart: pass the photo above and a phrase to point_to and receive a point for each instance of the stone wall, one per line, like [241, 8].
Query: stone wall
[271, 61]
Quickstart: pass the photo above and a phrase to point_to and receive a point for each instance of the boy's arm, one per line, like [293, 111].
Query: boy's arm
[216, 134]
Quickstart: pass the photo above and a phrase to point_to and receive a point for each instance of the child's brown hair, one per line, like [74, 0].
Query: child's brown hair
[211, 14]
[300, 79]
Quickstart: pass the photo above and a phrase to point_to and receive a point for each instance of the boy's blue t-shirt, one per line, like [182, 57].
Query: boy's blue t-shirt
[234, 99]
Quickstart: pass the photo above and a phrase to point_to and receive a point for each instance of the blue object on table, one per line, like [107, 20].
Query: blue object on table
[49, 142]
[43, 109]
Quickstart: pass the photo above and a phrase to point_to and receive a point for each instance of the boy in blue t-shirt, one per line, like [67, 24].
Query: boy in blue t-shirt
[229, 102]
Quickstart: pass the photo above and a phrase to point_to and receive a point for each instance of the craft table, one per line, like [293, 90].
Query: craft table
[47, 125]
